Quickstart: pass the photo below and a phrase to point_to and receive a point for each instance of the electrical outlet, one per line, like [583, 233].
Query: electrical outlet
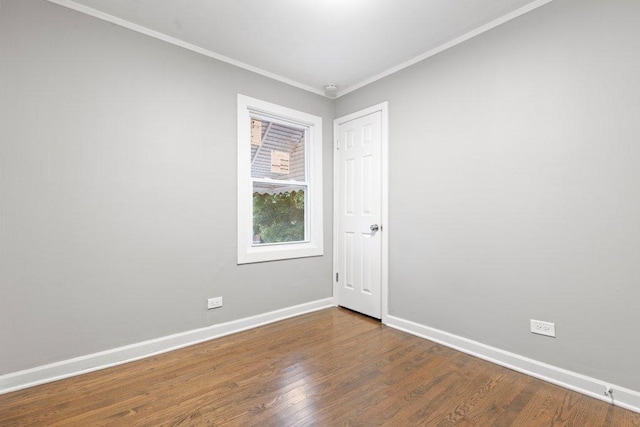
[543, 328]
[214, 303]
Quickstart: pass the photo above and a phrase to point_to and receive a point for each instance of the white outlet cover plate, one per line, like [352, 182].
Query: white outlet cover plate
[214, 302]
[543, 328]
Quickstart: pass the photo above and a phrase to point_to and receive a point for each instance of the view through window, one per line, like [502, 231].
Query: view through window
[279, 178]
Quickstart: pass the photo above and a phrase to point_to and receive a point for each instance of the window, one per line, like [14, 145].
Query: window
[279, 182]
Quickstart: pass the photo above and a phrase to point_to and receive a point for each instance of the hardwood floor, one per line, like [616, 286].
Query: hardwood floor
[331, 367]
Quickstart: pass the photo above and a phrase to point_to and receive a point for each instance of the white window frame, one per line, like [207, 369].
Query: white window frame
[248, 252]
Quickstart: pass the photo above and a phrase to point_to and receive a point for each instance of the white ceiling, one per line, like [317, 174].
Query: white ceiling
[311, 43]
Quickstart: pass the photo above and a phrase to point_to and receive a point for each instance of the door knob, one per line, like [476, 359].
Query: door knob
[374, 228]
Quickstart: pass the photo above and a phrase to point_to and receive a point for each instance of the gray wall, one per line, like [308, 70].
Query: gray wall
[515, 187]
[118, 189]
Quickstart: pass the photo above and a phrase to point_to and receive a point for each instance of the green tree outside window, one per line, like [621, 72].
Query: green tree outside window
[279, 217]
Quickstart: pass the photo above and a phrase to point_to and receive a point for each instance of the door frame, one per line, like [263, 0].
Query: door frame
[384, 179]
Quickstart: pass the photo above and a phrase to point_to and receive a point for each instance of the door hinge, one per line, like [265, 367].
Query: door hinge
[337, 277]
[337, 144]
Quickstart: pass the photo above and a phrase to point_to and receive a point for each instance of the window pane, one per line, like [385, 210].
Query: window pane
[277, 151]
[278, 213]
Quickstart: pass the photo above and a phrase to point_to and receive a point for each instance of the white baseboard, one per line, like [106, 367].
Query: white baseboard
[117, 356]
[623, 397]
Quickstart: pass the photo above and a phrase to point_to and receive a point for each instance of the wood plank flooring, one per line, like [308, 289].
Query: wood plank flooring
[328, 368]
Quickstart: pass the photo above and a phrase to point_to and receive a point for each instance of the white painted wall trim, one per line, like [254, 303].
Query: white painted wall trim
[117, 356]
[463, 38]
[249, 107]
[384, 108]
[161, 36]
[623, 397]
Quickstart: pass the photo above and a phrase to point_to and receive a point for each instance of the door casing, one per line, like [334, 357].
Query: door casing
[384, 109]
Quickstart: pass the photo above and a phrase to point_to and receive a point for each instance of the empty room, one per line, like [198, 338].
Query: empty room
[320, 212]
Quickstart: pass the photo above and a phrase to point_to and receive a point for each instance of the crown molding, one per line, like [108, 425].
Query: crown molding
[471, 34]
[194, 48]
[177, 42]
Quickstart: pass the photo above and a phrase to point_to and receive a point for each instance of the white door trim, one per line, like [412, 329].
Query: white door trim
[384, 109]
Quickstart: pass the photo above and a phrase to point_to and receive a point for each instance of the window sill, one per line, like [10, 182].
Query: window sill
[279, 252]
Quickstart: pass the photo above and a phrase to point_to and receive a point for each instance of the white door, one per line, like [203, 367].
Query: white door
[359, 213]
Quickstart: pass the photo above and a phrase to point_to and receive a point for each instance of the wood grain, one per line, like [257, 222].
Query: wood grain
[328, 368]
